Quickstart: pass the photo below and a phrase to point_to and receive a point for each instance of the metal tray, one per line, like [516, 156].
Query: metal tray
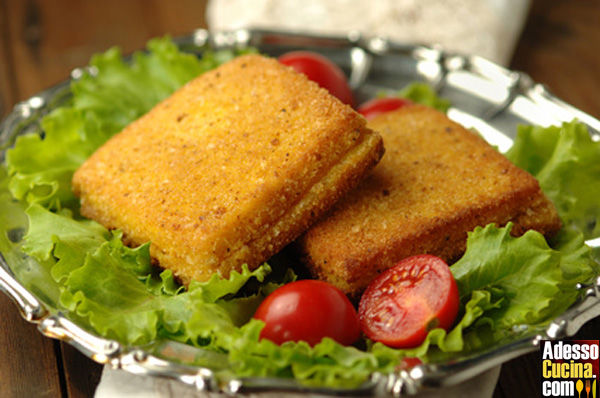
[484, 96]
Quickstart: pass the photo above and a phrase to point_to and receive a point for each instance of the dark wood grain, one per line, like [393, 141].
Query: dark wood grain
[28, 363]
[7, 87]
[42, 41]
[50, 38]
[82, 375]
[560, 47]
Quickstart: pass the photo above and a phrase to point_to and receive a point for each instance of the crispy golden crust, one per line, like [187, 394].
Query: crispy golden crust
[436, 181]
[229, 169]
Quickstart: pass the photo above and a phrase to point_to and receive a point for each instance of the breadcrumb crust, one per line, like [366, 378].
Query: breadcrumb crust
[436, 181]
[229, 169]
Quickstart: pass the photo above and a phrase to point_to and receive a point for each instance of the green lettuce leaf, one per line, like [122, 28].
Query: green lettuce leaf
[327, 363]
[566, 162]
[119, 92]
[45, 226]
[115, 290]
[534, 281]
[422, 93]
[41, 167]
[13, 226]
[217, 287]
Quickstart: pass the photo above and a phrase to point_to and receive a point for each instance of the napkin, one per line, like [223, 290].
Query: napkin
[489, 28]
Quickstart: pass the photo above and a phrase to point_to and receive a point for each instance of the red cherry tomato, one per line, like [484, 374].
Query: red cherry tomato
[320, 70]
[406, 301]
[377, 106]
[409, 363]
[308, 310]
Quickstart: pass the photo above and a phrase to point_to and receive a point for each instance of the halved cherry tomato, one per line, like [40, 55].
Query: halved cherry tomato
[308, 310]
[322, 71]
[377, 106]
[406, 301]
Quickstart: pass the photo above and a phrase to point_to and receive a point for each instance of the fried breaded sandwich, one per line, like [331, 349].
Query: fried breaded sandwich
[229, 169]
[436, 181]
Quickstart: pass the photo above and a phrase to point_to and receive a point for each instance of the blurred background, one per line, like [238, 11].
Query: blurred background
[42, 41]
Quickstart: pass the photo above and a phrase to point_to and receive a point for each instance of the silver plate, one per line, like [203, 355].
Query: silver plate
[484, 96]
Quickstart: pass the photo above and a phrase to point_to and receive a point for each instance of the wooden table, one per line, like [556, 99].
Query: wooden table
[41, 41]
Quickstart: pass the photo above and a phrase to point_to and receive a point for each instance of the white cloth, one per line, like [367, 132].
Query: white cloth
[489, 28]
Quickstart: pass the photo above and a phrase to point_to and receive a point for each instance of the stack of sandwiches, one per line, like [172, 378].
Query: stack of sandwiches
[252, 156]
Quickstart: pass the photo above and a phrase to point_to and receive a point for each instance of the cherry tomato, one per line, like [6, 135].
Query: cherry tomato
[377, 106]
[308, 310]
[409, 363]
[401, 305]
[320, 70]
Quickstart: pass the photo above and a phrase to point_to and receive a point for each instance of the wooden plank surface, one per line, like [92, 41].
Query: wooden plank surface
[50, 38]
[28, 361]
[41, 41]
[81, 374]
[7, 87]
[560, 47]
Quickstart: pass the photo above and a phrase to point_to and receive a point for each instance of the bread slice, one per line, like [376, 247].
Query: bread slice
[229, 169]
[436, 182]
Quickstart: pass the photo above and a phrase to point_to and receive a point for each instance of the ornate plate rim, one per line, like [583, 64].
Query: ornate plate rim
[137, 361]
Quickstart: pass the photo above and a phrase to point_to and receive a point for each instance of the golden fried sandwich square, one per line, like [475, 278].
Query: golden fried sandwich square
[229, 169]
[436, 181]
